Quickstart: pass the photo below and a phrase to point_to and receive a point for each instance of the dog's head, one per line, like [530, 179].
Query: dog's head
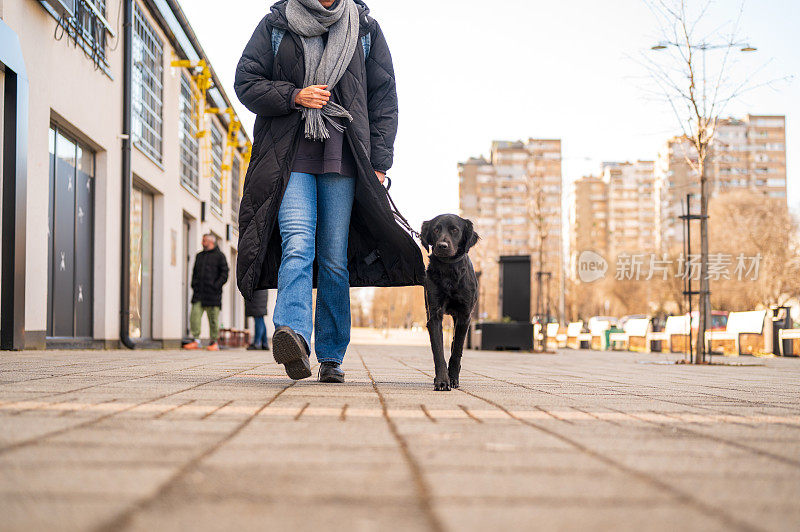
[449, 235]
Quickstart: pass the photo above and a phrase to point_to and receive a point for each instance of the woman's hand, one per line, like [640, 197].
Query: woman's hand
[381, 176]
[313, 96]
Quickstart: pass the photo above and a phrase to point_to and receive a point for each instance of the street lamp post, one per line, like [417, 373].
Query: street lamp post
[702, 144]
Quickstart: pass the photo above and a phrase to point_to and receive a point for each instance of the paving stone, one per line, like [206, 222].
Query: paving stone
[170, 440]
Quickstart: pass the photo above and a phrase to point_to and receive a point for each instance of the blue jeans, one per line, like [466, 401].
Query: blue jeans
[260, 336]
[314, 217]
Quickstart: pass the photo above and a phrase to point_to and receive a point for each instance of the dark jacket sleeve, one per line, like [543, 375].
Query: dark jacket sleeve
[195, 277]
[253, 83]
[381, 102]
[222, 271]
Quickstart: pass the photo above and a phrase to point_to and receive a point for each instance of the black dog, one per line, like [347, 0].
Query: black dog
[451, 287]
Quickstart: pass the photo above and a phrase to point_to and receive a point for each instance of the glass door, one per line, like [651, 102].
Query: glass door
[70, 237]
[141, 269]
[187, 257]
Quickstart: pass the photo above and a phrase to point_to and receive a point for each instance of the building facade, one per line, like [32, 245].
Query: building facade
[588, 218]
[187, 161]
[746, 154]
[631, 207]
[613, 213]
[514, 199]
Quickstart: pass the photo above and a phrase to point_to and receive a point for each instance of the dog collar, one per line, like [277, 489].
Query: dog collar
[449, 261]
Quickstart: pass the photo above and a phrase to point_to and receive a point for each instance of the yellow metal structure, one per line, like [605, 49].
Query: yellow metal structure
[201, 75]
[202, 82]
[231, 144]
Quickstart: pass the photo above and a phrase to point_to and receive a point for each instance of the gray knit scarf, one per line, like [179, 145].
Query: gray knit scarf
[325, 64]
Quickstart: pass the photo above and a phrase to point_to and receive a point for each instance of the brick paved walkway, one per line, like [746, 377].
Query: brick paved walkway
[157, 440]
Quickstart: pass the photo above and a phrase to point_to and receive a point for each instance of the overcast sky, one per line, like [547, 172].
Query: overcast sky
[469, 72]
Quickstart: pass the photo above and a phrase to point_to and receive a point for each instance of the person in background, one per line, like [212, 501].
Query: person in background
[209, 275]
[257, 308]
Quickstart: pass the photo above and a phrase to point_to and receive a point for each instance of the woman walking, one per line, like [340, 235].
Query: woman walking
[319, 77]
[257, 309]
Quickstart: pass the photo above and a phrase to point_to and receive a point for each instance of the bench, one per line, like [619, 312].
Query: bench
[618, 341]
[575, 335]
[635, 336]
[561, 336]
[234, 337]
[638, 331]
[552, 335]
[676, 334]
[745, 333]
[792, 336]
[597, 332]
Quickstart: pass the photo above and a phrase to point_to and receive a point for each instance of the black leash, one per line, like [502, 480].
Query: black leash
[396, 212]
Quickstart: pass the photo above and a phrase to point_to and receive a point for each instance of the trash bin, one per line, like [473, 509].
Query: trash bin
[607, 336]
[781, 319]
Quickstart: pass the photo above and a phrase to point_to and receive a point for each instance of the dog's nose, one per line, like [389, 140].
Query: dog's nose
[442, 245]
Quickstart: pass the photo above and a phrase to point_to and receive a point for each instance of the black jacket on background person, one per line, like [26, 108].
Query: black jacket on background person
[209, 275]
[380, 252]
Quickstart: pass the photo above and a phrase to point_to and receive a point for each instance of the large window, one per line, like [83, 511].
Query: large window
[148, 62]
[216, 170]
[188, 137]
[235, 190]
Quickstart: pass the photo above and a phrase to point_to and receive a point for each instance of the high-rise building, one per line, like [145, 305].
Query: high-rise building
[588, 218]
[613, 213]
[631, 212]
[514, 200]
[750, 153]
[746, 154]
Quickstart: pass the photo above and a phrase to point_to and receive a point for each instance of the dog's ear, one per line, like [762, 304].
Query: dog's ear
[470, 237]
[425, 235]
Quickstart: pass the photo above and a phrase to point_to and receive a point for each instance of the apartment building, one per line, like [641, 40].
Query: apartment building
[750, 153]
[187, 159]
[614, 212]
[631, 201]
[514, 199]
[588, 218]
[746, 154]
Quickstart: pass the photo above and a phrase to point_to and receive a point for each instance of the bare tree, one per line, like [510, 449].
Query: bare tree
[763, 232]
[698, 94]
[538, 213]
[398, 306]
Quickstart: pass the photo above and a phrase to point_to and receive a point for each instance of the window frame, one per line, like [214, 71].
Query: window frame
[216, 155]
[189, 153]
[148, 84]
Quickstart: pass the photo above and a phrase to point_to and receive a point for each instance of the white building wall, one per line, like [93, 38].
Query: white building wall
[66, 88]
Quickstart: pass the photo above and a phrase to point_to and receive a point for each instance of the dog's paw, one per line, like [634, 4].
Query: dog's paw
[441, 386]
[454, 382]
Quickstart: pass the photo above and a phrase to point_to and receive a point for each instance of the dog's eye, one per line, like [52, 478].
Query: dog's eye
[454, 230]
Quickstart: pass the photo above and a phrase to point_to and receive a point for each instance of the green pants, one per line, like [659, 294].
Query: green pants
[196, 317]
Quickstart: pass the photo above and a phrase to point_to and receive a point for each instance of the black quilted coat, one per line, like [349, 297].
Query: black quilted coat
[209, 275]
[380, 252]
